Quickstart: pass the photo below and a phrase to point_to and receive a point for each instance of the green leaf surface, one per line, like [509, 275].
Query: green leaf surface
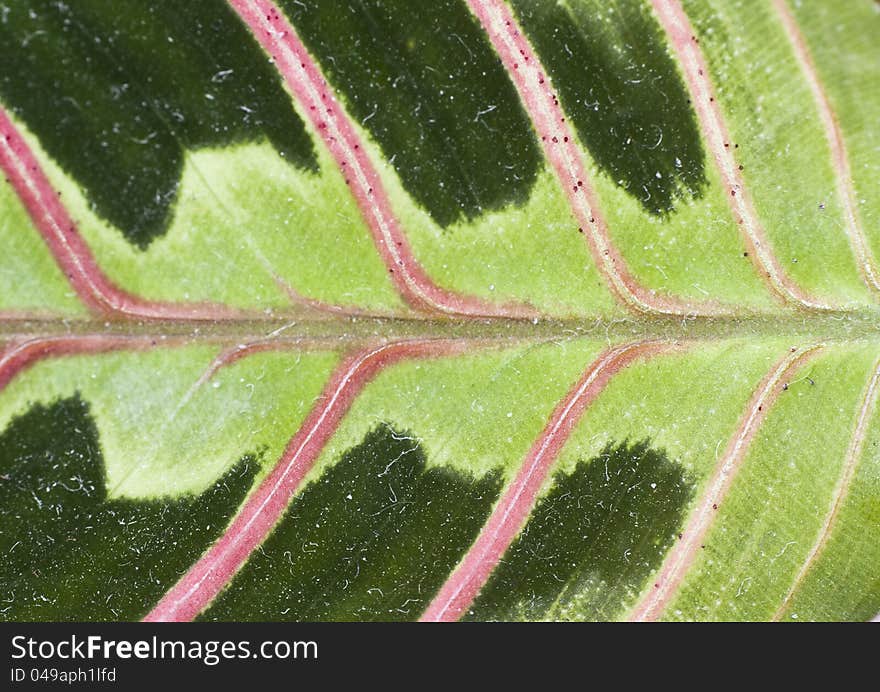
[476, 310]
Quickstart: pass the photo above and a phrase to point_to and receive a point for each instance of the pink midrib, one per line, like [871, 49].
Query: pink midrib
[304, 79]
[310, 90]
[684, 43]
[67, 246]
[561, 149]
[216, 568]
[458, 593]
[17, 356]
[851, 461]
[865, 259]
[679, 559]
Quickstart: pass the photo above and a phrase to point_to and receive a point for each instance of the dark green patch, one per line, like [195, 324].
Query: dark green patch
[69, 552]
[117, 90]
[592, 540]
[424, 80]
[621, 89]
[372, 539]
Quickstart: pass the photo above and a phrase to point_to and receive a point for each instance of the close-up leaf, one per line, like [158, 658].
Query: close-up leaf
[470, 310]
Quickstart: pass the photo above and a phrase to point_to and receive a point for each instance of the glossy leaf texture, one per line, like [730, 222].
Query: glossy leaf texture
[466, 310]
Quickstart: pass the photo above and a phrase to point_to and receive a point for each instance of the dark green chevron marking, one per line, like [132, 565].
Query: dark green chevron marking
[372, 539]
[424, 80]
[117, 90]
[621, 89]
[69, 552]
[592, 541]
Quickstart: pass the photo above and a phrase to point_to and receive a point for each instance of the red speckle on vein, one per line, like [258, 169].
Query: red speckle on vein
[681, 556]
[676, 24]
[567, 162]
[303, 77]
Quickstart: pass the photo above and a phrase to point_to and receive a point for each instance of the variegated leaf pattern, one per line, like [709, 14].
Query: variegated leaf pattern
[461, 310]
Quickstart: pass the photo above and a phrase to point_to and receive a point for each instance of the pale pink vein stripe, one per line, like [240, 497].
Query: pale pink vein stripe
[696, 73]
[311, 91]
[865, 259]
[682, 555]
[69, 249]
[851, 462]
[207, 577]
[509, 515]
[19, 355]
[560, 147]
